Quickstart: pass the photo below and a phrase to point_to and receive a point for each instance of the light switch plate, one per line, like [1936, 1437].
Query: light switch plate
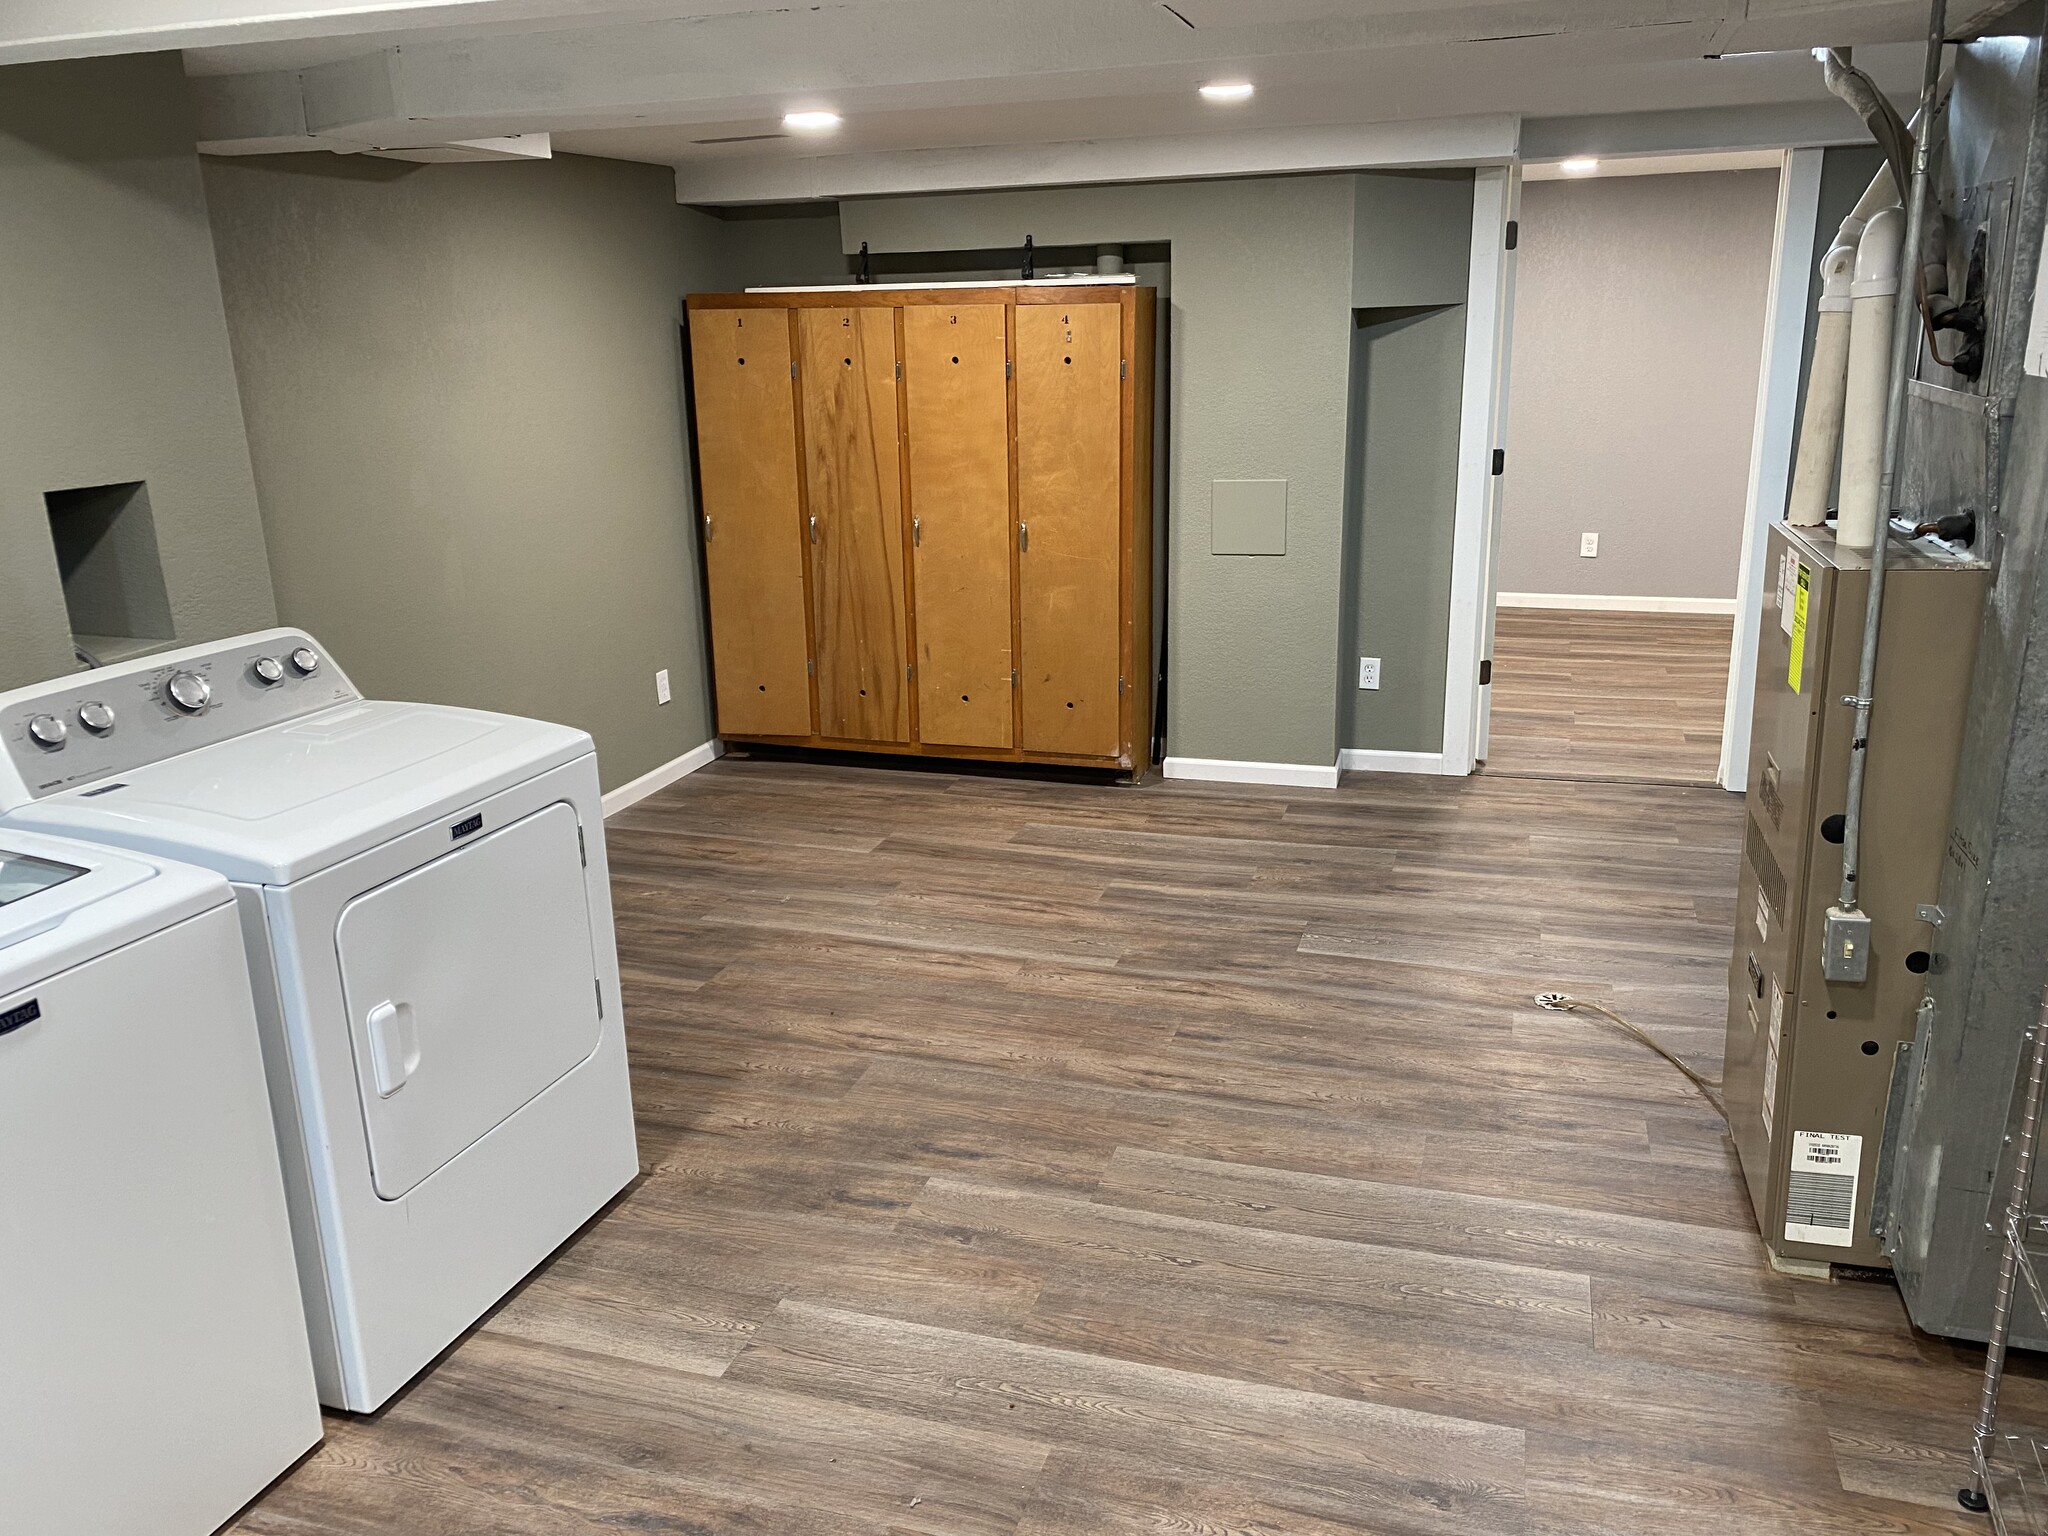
[1589, 545]
[1247, 517]
[661, 686]
[1368, 671]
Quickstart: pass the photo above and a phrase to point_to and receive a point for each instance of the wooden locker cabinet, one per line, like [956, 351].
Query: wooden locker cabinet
[947, 518]
[753, 549]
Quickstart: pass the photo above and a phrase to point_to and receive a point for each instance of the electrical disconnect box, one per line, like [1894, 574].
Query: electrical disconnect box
[1819, 1000]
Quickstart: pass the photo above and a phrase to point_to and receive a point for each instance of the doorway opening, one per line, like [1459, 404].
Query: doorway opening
[1643, 290]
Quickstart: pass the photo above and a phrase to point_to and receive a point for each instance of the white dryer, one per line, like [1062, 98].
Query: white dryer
[153, 1367]
[424, 896]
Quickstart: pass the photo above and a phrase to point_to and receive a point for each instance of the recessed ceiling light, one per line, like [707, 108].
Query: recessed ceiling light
[1583, 165]
[810, 122]
[1227, 90]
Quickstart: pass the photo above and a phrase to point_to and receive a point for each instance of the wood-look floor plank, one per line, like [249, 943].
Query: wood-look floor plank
[1608, 695]
[1408, 1471]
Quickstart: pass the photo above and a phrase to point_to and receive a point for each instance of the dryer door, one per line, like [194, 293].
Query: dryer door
[470, 988]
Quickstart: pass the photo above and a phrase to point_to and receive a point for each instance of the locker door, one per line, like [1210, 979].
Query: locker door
[753, 534]
[958, 399]
[1069, 508]
[848, 366]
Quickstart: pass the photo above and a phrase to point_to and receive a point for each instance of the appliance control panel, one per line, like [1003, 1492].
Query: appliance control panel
[92, 725]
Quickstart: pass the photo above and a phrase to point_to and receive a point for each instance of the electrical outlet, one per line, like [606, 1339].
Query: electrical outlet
[661, 686]
[1589, 545]
[1368, 671]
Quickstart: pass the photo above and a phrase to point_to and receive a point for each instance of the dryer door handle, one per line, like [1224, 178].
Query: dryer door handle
[394, 1046]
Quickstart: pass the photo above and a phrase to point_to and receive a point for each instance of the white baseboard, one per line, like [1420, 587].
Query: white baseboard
[1224, 770]
[1598, 603]
[658, 779]
[1371, 760]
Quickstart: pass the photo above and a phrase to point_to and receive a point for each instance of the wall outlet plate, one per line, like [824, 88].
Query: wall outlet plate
[1589, 545]
[1368, 671]
[661, 694]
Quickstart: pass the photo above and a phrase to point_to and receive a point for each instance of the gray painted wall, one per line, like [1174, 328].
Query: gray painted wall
[1639, 317]
[1401, 505]
[464, 392]
[1264, 283]
[114, 366]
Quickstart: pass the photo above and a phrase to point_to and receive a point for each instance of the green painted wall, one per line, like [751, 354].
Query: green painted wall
[1407, 381]
[114, 365]
[1411, 267]
[464, 392]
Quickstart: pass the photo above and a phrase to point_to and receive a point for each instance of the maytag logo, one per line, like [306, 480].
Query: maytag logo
[23, 1013]
[467, 825]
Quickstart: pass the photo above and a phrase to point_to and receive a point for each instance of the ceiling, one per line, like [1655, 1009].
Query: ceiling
[958, 88]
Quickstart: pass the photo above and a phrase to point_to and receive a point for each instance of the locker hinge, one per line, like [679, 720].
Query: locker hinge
[792, 370]
[810, 668]
[899, 369]
[1013, 677]
[1007, 365]
[1514, 233]
[908, 671]
[1486, 671]
[598, 987]
[1123, 367]
[1119, 685]
[582, 853]
[1500, 461]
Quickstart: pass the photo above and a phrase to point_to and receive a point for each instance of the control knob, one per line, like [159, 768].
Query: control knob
[96, 717]
[188, 691]
[47, 731]
[305, 661]
[267, 670]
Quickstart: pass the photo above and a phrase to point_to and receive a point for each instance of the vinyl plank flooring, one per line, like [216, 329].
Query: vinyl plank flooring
[1618, 696]
[1032, 1158]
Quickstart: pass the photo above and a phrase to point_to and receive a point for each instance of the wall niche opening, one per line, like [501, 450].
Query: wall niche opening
[113, 575]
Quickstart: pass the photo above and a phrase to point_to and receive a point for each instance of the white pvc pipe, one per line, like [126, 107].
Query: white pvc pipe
[1827, 380]
[1874, 299]
[1827, 384]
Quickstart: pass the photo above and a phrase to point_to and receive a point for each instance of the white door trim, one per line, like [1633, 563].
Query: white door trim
[1771, 442]
[1481, 430]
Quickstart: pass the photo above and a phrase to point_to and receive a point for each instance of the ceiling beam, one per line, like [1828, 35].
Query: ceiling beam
[1273, 151]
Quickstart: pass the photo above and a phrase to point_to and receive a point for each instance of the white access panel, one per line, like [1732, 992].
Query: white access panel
[471, 988]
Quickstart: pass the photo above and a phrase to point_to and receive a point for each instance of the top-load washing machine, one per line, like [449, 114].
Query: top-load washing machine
[423, 895]
[153, 1368]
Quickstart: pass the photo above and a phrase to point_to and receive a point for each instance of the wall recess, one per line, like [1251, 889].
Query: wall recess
[113, 574]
